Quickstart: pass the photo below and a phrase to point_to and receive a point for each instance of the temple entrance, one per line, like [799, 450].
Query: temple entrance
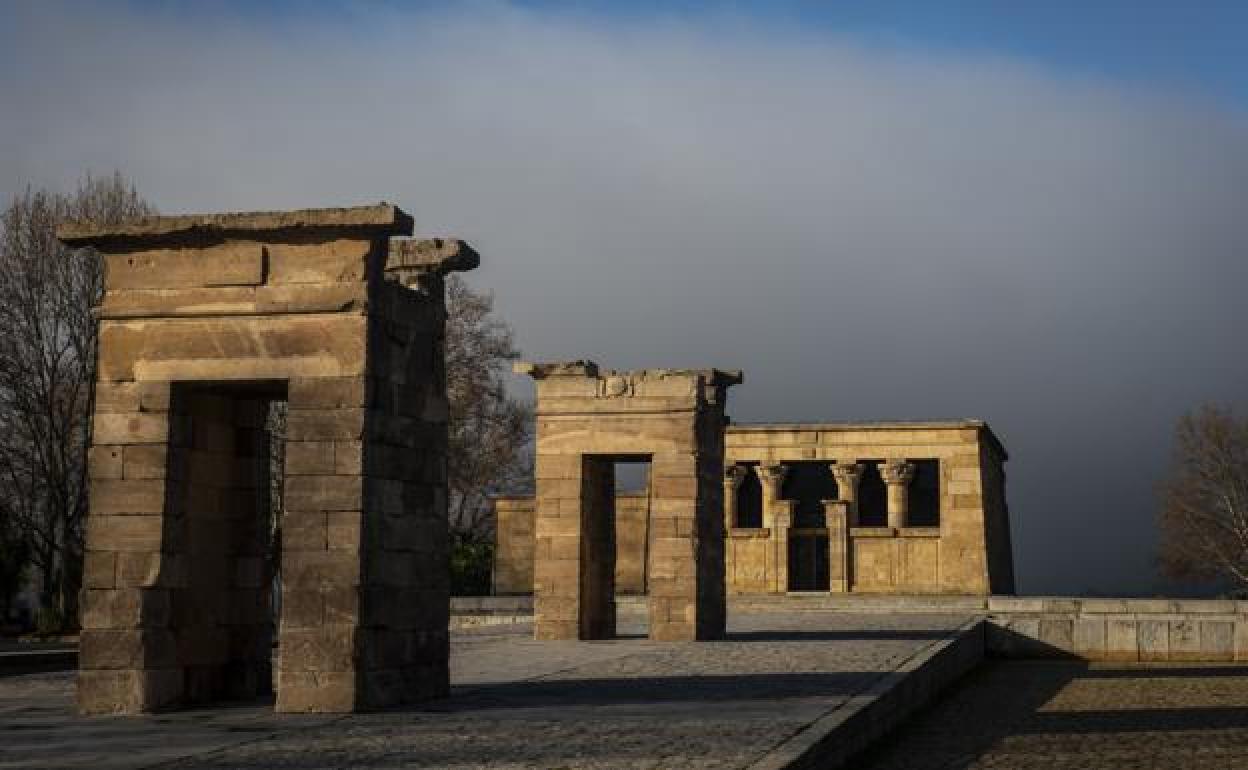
[589, 422]
[808, 484]
[224, 474]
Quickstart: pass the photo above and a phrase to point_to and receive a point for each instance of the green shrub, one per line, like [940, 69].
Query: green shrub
[471, 567]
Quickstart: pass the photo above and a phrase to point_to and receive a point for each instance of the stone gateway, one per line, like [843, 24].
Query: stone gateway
[587, 422]
[204, 323]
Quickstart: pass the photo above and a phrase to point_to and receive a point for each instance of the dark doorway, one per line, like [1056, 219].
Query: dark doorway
[924, 503]
[808, 560]
[808, 484]
[750, 500]
[872, 496]
[220, 508]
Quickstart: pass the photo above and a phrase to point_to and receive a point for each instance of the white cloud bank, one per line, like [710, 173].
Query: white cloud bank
[867, 232]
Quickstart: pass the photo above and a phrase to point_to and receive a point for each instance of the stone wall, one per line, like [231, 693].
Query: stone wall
[969, 552]
[204, 321]
[1144, 630]
[514, 541]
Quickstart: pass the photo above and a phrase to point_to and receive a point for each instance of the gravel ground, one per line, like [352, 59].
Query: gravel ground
[1024, 715]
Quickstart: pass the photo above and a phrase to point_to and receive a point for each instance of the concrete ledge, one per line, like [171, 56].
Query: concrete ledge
[1101, 629]
[835, 738]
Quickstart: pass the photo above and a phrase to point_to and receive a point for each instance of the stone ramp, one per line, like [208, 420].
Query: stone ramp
[781, 690]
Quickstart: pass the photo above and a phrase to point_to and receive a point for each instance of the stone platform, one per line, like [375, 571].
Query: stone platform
[762, 698]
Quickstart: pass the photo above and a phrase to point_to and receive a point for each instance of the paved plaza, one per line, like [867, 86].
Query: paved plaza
[1027, 715]
[517, 702]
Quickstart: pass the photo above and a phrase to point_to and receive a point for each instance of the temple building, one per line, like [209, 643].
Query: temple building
[873, 507]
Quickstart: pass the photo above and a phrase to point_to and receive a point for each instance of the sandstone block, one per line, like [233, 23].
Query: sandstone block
[343, 260]
[320, 570]
[325, 425]
[125, 533]
[130, 428]
[328, 648]
[325, 493]
[150, 569]
[322, 692]
[272, 348]
[349, 458]
[99, 569]
[104, 462]
[310, 458]
[128, 691]
[304, 531]
[126, 649]
[146, 461]
[230, 264]
[113, 496]
[345, 530]
[125, 609]
[328, 392]
[342, 604]
[111, 397]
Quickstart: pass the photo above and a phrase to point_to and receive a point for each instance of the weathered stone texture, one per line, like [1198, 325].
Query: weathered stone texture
[205, 321]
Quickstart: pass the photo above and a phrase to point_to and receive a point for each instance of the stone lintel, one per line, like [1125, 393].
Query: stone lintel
[540, 371]
[431, 255]
[381, 219]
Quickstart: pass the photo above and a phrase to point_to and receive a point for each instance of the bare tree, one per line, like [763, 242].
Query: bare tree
[1203, 517]
[490, 430]
[47, 373]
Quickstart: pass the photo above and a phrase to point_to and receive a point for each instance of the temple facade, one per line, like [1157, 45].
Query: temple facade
[879, 507]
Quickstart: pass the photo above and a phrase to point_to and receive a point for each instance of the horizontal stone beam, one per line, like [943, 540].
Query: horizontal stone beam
[382, 219]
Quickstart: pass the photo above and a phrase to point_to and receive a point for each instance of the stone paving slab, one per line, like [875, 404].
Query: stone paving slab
[1030, 715]
[518, 703]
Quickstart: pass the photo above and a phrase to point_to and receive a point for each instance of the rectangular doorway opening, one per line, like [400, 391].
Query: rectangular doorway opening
[614, 537]
[632, 524]
[224, 492]
[808, 484]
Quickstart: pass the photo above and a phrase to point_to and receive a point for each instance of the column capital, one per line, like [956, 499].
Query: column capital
[773, 474]
[735, 474]
[897, 471]
[847, 474]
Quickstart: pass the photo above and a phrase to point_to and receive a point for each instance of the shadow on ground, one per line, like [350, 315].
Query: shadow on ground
[1063, 714]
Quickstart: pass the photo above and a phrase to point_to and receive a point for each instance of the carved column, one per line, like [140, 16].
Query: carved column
[778, 517]
[733, 476]
[847, 477]
[836, 514]
[772, 477]
[897, 475]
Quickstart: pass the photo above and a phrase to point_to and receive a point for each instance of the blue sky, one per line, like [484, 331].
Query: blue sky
[1196, 47]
